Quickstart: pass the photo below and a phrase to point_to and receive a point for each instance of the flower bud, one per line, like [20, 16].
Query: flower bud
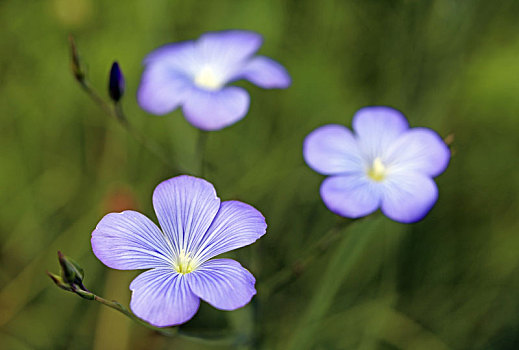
[116, 83]
[59, 281]
[71, 272]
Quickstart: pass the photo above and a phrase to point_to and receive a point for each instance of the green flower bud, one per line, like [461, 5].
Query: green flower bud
[59, 281]
[71, 272]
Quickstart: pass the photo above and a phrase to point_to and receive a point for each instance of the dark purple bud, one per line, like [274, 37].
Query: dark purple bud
[116, 83]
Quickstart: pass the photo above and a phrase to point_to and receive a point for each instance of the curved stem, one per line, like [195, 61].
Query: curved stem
[152, 147]
[95, 96]
[117, 306]
[117, 112]
[85, 294]
[220, 339]
[213, 339]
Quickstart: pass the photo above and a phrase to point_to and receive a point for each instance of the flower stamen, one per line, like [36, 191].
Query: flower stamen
[378, 170]
[184, 263]
[207, 79]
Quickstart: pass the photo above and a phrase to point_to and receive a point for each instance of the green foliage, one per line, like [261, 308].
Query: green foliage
[448, 282]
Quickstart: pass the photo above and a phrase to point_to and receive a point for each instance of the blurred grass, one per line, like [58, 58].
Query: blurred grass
[450, 282]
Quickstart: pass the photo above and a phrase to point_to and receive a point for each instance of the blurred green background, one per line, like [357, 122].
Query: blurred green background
[450, 281]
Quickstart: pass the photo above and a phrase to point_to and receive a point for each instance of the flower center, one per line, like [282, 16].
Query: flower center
[207, 79]
[378, 170]
[184, 263]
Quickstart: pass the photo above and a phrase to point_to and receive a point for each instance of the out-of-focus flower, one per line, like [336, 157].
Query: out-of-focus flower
[194, 75]
[384, 165]
[116, 83]
[196, 226]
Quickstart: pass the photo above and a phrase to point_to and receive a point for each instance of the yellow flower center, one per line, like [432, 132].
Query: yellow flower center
[378, 171]
[184, 263]
[208, 79]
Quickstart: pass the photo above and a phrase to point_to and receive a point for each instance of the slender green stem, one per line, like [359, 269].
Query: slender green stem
[117, 112]
[152, 147]
[71, 280]
[121, 117]
[209, 339]
[95, 96]
[117, 306]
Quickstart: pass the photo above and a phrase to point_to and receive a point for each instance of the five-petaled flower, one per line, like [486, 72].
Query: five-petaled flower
[384, 165]
[194, 75]
[196, 226]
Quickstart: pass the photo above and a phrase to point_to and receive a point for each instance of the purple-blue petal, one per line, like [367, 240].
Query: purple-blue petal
[377, 128]
[228, 47]
[223, 283]
[408, 196]
[214, 110]
[162, 89]
[129, 240]
[332, 149]
[351, 195]
[236, 225]
[168, 77]
[163, 298]
[265, 73]
[421, 150]
[177, 56]
[185, 207]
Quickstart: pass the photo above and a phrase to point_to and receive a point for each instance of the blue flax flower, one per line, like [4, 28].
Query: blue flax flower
[385, 165]
[196, 226]
[194, 75]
